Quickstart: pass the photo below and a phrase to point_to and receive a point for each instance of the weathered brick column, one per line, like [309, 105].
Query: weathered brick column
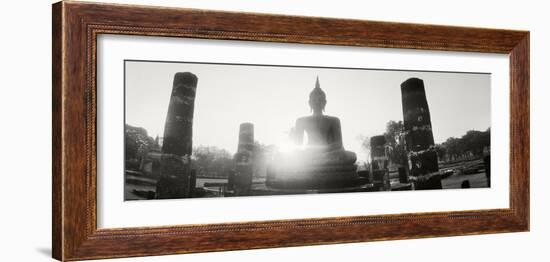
[418, 132]
[243, 160]
[178, 137]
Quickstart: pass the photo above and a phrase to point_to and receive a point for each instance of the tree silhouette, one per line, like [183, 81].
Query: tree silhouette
[137, 145]
[395, 142]
[211, 160]
[473, 143]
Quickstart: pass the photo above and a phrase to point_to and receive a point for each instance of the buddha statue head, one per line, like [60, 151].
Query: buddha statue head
[317, 99]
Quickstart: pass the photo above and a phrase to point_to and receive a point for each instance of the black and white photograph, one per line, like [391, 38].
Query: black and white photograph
[201, 130]
[275, 131]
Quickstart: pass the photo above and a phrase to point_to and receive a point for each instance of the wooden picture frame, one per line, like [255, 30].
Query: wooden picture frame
[76, 26]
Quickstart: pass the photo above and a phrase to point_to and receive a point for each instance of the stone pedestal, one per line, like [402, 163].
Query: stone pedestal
[178, 136]
[303, 170]
[313, 177]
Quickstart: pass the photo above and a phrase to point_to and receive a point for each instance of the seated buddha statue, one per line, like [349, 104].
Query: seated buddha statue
[324, 134]
[320, 161]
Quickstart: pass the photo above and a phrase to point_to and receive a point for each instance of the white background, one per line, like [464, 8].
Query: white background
[113, 212]
[25, 57]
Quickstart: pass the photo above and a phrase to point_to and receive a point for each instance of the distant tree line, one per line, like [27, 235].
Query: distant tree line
[211, 161]
[470, 145]
[218, 162]
[137, 145]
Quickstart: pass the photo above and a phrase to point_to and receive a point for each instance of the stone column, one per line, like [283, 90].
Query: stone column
[416, 115]
[377, 151]
[177, 141]
[419, 138]
[231, 180]
[192, 182]
[244, 160]
[487, 164]
[403, 176]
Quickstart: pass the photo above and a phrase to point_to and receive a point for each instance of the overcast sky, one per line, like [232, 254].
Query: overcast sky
[273, 97]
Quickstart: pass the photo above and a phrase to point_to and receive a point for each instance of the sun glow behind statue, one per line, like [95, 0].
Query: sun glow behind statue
[287, 147]
[290, 155]
[289, 143]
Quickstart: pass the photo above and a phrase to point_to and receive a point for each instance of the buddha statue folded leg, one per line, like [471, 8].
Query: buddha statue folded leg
[318, 158]
[338, 158]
